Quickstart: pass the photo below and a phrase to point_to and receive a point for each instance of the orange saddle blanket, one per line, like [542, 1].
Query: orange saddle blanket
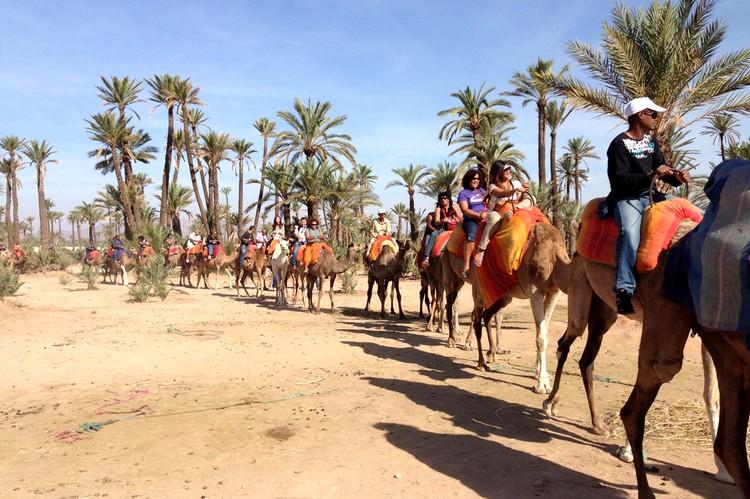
[378, 245]
[597, 239]
[312, 253]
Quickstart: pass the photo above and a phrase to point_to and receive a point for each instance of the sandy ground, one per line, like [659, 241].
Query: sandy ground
[209, 395]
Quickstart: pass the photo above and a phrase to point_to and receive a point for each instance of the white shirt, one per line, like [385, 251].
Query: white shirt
[515, 197]
[299, 233]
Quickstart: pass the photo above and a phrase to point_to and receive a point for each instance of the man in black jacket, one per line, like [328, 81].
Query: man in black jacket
[633, 160]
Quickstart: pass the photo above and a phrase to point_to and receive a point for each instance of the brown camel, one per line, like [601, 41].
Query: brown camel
[542, 276]
[206, 266]
[298, 273]
[388, 267]
[424, 294]
[188, 260]
[253, 266]
[112, 269]
[327, 267]
[591, 304]
[279, 267]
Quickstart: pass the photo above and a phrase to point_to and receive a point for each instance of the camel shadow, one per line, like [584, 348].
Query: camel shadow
[491, 469]
[699, 482]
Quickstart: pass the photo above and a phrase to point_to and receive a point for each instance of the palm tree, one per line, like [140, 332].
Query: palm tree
[29, 226]
[242, 150]
[187, 96]
[75, 217]
[5, 169]
[112, 132]
[162, 92]
[532, 87]
[492, 145]
[312, 134]
[566, 175]
[40, 155]
[280, 176]
[579, 149]
[667, 52]
[91, 214]
[476, 110]
[739, 150]
[722, 126]
[444, 177]
[364, 181]
[213, 150]
[401, 212]
[556, 114]
[178, 147]
[312, 184]
[266, 128]
[410, 177]
[13, 145]
[180, 198]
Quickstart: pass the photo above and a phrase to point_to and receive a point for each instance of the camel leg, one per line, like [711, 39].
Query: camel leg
[711, 399]
[242, 282]
[370, 283]
[450, 298]
[382, 290]
[331, 281]
[393, 311]
[476, 323]
[732, 374]
[537, 300]
[397, 287]
[432, 308]
[124, 276]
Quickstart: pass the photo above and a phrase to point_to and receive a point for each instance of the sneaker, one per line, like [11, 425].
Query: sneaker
[479, 258]
[624, 303]
[425, 264]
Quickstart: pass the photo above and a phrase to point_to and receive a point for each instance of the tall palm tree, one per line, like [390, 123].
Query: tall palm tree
[5, 169]
[401, 212]
[579, 149]
[411, 178]
[91, 214]
[364, 181]
[242, 150]
[312, 134]
[444, 177]
[213, 150]
[532, 87]
[13, 145]
[162, 93]
[556, 114]
[722, 126]
[312, 184]
[492, 145]
[187, 95]
[668, 52]
[280, 176]
[180, 199]
[476, 110]
[40, 155]
[266, 128]
[566, 175]
[178, 148]
[112, 132]
[29, 225]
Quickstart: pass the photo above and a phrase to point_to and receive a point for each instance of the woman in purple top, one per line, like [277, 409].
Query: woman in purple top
[471, 202]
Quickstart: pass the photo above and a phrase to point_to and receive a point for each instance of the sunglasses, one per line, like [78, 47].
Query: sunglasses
[314, 225]
[444, 197]
[653, 114]
[475, 178]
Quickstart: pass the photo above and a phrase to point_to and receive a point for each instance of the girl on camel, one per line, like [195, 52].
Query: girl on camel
[504, 196]
[471, 202]
[446, 217]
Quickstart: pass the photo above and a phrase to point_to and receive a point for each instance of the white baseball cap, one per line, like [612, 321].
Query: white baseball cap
[641, 103]
[381, 211]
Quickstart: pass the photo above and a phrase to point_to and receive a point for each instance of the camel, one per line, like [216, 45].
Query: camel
[279, 266]
[111, 269]
[253, 266]
[387, 268]
[186, 261]
[424, 294]
[591, 303]
[298, 274]
[542, 277]
[327, 267]
[144, 257]
[206, 266]
[16, 258]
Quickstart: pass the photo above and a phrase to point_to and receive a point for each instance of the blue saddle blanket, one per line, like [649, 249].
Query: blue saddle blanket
[708, 271]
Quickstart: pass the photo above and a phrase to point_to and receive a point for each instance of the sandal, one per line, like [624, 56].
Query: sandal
[479, 258]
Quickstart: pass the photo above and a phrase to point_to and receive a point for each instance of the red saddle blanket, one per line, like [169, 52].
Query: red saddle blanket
[92, 255]
[504, 254]
[597, 239]
[173, 250]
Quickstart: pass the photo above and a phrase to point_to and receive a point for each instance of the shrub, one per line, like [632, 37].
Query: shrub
[349, 281]
[9, 282]
[140, 291]
[65, 279]
[89, 275]
[153, 279]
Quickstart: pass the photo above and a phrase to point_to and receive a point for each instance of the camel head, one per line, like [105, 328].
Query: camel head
[282, 248]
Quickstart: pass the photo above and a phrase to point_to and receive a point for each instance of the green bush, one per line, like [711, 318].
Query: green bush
[65, 279]
[153, 279]
[140, 291]
[90, 276]
[349, 281]
[9, 282]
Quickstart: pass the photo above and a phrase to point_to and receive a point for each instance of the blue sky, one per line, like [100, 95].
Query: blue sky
[389, 66]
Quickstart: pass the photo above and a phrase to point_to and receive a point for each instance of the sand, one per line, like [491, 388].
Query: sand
[210, 395]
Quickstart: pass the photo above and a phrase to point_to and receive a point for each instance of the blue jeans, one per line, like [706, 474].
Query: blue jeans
[470, 228]
[430, 242]
[628, 215]
[293, 258]
[243, 252]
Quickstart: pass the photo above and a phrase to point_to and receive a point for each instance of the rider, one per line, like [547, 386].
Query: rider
[116, 245]
[194, 239]
[446, 216]
[169, 241]
[260, 238]
[142, 245]
[245, 240]
[471, 202]
[299, 236]
[504, 195]
[213, 244]
[381, 226]
[633, 160]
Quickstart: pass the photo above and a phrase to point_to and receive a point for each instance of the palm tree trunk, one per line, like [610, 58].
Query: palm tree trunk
[43, 219]
[124, 196]
[287, 217]
[163, 215]
[191, 167]
[176, 226]
[261, 189]
[577, 184]
[8, 197]
[553, 175]
[176, 169]
[78, 232]
[541, 109]
[16, 224]
[721, 146]
[414, 233]
[92, 233]
[240, 202]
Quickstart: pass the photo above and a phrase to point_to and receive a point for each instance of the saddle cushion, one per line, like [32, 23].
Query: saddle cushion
[173, 250]
[272, 246]
[196, 250]
[456, 241]
[92, 255]
[312, 253]
[597, 240]
[378, 245]
[504, 254]
[441, 242]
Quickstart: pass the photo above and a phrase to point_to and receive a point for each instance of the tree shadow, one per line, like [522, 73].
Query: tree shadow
[491, 469]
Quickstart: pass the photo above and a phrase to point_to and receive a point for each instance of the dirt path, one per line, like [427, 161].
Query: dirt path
[214, 396]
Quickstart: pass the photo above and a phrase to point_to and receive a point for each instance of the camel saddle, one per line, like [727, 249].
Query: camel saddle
[504, 254]
[196, 249]
[272, 246]
[378, 245]
[173, 250]
[312, 253]
[92, 255]
[597, 239]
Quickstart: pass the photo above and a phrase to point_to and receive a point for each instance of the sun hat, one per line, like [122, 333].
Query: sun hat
[641, 103]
